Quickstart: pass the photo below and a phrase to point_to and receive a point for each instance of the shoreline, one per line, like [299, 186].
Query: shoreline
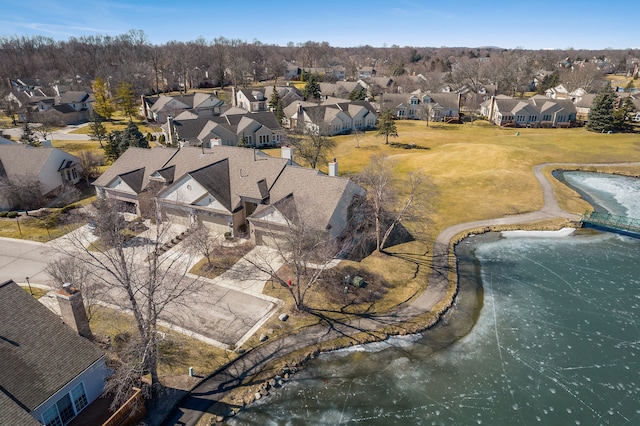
[420, 315]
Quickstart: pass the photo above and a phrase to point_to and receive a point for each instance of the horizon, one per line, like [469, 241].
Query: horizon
[565, 26]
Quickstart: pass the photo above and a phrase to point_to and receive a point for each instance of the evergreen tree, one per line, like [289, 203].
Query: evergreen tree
[386, 125]
[275, 104]
[622, 116]
[312, 88]
[126, 99]
[102, 104]
[120, 140]
[97, 131]
[358, 94]
[28, 136]
[601, 113]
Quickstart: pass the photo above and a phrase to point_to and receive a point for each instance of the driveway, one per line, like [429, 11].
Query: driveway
[62, 134]
[224, 311]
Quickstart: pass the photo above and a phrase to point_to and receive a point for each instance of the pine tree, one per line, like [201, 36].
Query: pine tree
[386, 125]
[622, 116]
[121, 140]
[28, 136]
[601, 113]
[275, 104]
[103, 104]
[312, 88]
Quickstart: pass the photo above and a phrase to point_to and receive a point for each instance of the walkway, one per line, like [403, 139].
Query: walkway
[212, 388]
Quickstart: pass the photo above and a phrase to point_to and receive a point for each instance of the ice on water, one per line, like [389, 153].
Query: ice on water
[556, 342]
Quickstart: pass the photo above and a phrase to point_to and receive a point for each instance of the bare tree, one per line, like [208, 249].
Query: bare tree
[90, 162]
[586, 76]
[68, 269]
[306, 250]
[135, 277]
[203, 241]
[313, 148]
[22, 192]
[48, 121]
[387, 204]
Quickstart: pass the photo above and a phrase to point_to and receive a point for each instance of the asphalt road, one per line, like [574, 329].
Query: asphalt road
[20, 259]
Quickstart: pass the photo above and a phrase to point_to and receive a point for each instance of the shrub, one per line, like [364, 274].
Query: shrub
[13, 214]
[161, 138]
[4, 213]
[68, 208]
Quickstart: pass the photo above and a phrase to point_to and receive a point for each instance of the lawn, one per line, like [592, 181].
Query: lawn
[480, 171]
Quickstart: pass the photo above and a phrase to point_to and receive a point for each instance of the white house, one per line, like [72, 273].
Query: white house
[51, 168]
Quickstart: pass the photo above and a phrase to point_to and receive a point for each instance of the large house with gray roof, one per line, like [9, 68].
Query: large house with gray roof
[159, 108]
[537, 111]
[420, 105]
[228, 189]
[235, 127]
[48, 373]
[332, 117]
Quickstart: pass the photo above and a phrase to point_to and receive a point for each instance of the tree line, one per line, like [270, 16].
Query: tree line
[152, 68]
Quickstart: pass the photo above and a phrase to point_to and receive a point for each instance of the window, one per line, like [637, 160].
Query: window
[414, 101]
[400, 113]
[66, 408]
[79, 397]
[546, 117]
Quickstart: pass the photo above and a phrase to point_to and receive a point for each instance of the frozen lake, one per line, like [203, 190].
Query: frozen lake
[553, 339]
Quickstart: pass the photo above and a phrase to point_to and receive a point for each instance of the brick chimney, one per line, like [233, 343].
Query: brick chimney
[72, 310]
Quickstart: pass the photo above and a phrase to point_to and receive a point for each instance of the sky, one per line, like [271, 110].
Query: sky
[542, 24]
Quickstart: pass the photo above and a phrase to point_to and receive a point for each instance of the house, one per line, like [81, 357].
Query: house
[48, 168]
[538, 111]
[68, 108]
[226, 188]
[252, 100]
[159, 108]
[235, 127]
[332, 119]
[291, 71]
[583, 106]
[288, 94]
[341, 89]
[366, 72]
[48, 373]
[419, 105]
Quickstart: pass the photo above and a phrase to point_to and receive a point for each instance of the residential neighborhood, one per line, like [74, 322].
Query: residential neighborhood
[184, 225]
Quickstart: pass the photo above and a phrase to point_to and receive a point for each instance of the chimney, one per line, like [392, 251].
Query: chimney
[72, 310]
[144, 107]
[170, 130]
[492, 105]
[287, 152]
[333, 168]
[233, 96]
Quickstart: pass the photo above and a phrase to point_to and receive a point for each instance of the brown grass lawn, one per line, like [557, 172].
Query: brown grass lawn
[482, 171]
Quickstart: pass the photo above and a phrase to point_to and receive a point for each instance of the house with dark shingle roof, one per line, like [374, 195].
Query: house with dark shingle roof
[159, 108]
[235, 126]
[226, 187]
[48, 373]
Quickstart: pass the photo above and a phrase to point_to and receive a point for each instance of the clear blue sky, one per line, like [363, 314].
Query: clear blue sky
[587, 24]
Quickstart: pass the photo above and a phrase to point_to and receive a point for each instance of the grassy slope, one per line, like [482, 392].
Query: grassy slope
[481, 171]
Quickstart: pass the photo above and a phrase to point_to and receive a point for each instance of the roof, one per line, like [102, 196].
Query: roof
[316, 195]
[73, 96]
[40, 354]
[246, 168]
[147, 160]
[20, 160]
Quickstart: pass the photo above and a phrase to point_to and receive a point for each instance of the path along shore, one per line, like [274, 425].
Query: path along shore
[212, 388]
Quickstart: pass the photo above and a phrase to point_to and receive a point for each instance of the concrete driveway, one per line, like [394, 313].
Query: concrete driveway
[224, 311]
[62, 134]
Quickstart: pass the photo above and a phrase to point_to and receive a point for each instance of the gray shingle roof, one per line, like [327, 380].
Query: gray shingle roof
[39, 353]
[134, 159]
[20, 160]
